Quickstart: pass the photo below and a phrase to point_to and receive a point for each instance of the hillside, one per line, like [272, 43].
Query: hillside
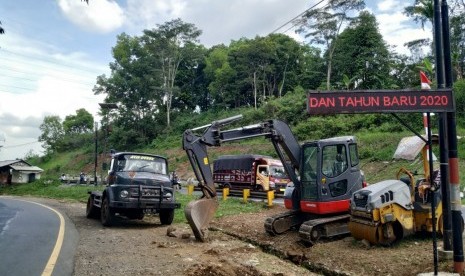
[377, 134]
[375, 150]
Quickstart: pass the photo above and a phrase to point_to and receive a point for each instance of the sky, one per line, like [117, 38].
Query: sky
[53, 50]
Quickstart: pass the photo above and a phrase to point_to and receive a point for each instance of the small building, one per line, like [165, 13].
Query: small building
[18, 171]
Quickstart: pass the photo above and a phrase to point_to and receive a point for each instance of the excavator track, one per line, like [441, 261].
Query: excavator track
[283, 222]
[327, 227]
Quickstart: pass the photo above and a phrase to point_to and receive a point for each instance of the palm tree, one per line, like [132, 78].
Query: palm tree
[422, 11]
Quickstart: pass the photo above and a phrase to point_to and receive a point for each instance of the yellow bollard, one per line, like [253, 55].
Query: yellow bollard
[225, 193]
[246, 194]
[190, 189]
[270, 196]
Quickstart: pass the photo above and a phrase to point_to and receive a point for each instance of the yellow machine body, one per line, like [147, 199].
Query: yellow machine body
[386, 222]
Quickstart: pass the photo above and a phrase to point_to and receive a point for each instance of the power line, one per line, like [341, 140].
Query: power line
[302, 13]
[35, 80]
[46, 61]
[41, 75]
[17, 87]
[20, 145]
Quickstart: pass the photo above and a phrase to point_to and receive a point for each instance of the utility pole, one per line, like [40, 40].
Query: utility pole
[96, 153]
[442, 129]
[107, 107]
[455, 201]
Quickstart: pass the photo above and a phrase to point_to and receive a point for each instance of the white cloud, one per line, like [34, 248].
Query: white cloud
[396, 27]
[145, 14]
[220, 21]
[99, 16]
[388, 5]
[36, 80]
[223, 21]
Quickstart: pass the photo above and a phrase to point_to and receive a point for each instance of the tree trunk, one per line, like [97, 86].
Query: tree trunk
[255, 88]
[284, 78]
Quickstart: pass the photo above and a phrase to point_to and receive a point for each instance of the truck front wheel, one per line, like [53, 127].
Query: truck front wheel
[107, 215]
[166, 216]
[91, 210]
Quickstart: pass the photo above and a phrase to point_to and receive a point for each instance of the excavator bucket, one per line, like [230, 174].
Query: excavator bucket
[199, 213]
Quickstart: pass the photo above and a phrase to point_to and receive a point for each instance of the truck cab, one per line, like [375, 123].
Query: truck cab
[137, 183]
[277, 175]
[250, 171]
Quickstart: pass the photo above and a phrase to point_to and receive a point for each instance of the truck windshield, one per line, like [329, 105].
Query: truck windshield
[278, 172]
[140, 163]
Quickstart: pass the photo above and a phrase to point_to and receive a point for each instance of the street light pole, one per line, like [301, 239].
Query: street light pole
[96, 153]
[108, 107]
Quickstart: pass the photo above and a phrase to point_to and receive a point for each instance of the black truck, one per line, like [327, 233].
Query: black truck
[138, 183]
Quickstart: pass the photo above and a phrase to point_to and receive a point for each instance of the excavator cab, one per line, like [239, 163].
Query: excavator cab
[330, 173]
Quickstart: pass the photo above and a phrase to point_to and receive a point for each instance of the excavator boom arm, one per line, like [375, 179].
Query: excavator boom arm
[200, 212]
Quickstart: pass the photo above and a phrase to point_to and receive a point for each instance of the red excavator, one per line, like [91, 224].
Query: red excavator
[323, 174]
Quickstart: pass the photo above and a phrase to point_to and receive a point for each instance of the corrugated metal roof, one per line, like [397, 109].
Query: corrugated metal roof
[26, 168]
[9, 162]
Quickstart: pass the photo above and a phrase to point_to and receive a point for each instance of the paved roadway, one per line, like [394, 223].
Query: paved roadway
[35, 239]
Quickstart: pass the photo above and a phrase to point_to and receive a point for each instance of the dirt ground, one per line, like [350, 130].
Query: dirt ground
[238, 245]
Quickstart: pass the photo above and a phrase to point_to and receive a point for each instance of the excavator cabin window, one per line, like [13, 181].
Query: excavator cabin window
[334, 160]
[353, 155]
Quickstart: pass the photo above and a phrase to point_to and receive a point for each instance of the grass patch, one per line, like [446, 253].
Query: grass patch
[231, 206]
[47, 188]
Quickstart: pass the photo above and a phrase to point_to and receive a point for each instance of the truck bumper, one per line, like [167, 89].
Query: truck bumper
[280, 189]
[144, 204]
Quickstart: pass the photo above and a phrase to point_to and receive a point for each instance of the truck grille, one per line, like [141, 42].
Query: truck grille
[150, 192]
[146, 192]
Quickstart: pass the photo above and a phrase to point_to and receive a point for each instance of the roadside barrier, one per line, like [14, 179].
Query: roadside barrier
[246, 194]
[225, 193]
[270, 197]
[190, 189]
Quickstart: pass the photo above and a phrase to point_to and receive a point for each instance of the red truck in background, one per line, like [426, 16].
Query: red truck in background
[256, 172]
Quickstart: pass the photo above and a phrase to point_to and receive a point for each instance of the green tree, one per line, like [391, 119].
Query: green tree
[421, 11]
[168, 46]
[132, 86]
[323, 26]
[52, 133]
[457, 38]
[252, 60]
[362, 54]
[459, 92]
[286, 61]
[82, 122]
[311, 69]
[190, 79]
[219, 75]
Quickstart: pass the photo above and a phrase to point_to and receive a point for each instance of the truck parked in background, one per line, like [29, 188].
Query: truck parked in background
[256, 172]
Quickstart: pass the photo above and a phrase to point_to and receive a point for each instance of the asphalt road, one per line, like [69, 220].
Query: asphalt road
[35, 239]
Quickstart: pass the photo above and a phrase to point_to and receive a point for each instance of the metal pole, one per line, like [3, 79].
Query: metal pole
[455, 201]
[443, 143]
[96, 153]
[104, 153]
[433, 193]
[440, 83]
[442, 129]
